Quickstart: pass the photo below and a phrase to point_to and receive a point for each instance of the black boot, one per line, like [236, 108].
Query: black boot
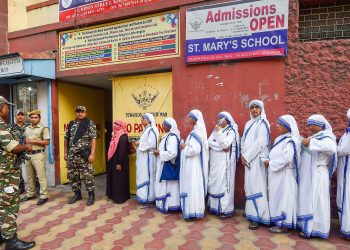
[91, 199]
[1, 240]
[75, 198]
[16, 244]
[21, 187]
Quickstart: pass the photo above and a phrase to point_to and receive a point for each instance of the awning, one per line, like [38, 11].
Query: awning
[27, 67]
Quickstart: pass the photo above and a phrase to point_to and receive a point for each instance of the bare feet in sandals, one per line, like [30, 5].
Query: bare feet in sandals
[277, 230]
[253, 225]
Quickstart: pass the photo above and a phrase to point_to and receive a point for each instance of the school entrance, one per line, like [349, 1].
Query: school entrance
[135, 95]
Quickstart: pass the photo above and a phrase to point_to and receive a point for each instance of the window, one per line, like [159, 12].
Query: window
[26, 96]
[324, 21]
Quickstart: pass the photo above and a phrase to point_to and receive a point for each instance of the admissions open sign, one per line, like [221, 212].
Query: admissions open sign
[237, 30]
[71, 9]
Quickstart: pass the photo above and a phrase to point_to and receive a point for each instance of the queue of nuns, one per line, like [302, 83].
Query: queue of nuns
[287, 184]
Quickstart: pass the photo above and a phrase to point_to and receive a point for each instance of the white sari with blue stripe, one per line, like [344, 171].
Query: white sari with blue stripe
[343, 178]
[193, 177]
[146, 166]
[222, 169]
[255, 149]
[167, 191]
[316, 166]
[283, 179]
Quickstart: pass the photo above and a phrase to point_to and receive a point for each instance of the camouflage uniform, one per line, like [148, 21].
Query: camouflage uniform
[18, 131]
[76, 163]
[18, 134]
[9, 181]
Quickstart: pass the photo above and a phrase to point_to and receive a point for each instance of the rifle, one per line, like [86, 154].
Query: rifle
[21, 157]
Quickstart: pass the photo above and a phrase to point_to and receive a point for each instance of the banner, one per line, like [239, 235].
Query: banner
[237, 30]
[135, 95]
[137, 39]
[11, 66]
[71, 9]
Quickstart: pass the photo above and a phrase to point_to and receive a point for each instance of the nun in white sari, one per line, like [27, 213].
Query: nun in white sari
[167, 184]
[146, 161]
[343, 178]
[223, 155]
[194, 169]
[255, 146]
[283, 175]
[317, 164]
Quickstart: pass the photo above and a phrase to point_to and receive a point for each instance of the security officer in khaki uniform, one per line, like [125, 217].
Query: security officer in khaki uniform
[39, 137]
[9, 182]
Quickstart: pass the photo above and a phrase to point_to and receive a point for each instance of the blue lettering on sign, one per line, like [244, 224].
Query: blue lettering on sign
[255, 42]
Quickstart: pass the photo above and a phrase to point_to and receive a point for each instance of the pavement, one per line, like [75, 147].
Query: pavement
[105, 226]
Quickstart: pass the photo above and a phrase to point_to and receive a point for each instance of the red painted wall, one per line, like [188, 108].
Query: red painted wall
[317, 80]
[34, 43]
[228, 87]
[317, 77]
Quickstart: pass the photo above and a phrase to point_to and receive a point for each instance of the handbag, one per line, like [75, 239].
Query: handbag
[171, 170]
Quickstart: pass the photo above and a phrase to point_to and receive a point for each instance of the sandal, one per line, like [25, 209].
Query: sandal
[277, 230]
[253, 225]
[304, 236]
[143, 206]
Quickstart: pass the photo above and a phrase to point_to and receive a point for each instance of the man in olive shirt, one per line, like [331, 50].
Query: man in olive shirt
[79, 153]
[39, 137]
[17, 130]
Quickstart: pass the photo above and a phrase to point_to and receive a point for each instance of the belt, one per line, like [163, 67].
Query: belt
[36, 151]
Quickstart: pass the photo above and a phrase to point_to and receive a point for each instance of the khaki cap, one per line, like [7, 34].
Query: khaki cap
[34, 112]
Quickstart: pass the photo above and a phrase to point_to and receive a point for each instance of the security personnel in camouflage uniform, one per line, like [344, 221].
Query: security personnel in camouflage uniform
[17, 130]
[79, 151]
[9, 181]
[38, 136]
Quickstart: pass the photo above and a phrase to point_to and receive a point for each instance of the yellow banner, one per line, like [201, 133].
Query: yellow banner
[133, 96]
[137, 39]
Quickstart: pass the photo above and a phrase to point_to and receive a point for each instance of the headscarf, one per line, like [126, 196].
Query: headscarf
[171, 123]
[291, 125]
[252, 120]
[201, 131]
[320, 121]
[234, 126]
[150, 118]
[260, 104]
[119, 129]
[199, 128]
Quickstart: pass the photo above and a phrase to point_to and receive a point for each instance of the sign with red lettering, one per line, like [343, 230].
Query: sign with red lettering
[71, 9]
[237, 30]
